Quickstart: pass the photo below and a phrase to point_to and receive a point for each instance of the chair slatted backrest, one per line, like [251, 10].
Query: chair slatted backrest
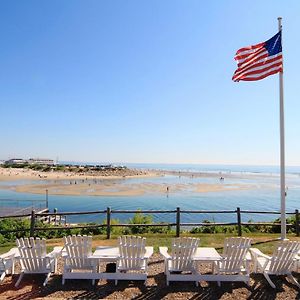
[234, 253]
[78, 249]
[132, 250]
[283, 257]
[182, 251]
[32, 253]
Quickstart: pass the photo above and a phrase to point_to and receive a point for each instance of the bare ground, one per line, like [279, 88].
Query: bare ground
[31, 288]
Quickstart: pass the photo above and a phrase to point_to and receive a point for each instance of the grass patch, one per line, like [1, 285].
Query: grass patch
[263, 241]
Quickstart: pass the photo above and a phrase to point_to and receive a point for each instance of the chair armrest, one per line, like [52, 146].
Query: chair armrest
[257, 253]
[149, 252]
[164, 252]
[57, 251]
[10, 254]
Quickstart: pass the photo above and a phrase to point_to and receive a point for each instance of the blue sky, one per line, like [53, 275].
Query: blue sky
[144, 81]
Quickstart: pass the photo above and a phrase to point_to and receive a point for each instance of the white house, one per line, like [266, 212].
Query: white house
[40, 161]
[16, 161]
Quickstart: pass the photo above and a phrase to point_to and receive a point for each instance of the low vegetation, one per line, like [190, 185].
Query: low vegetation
[21, 226]
[64, 168]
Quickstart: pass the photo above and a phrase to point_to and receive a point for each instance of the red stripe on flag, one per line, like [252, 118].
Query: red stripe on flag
[249, 73]
[254, 57]
[252, 74]
[255, 65]
[253, 60]
[263, 76]
[249, 48]
[242, 56]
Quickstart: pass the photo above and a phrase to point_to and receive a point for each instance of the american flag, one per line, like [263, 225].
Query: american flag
[259, 61]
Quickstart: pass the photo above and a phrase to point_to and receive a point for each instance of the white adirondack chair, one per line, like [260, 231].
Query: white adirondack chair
[133, 260]
[77, 257]
[7, 263]
[280, 263]
[34, 258]
[179, 266]
[233, 266]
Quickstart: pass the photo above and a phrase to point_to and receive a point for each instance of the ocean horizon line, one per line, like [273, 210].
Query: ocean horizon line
[195, 167]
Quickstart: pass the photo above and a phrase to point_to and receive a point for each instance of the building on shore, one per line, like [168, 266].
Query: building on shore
[16, 161]
[40, 161]
[31, 161]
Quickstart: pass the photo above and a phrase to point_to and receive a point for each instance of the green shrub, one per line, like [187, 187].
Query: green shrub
[139, 218]
[13, 224]
[59, 167]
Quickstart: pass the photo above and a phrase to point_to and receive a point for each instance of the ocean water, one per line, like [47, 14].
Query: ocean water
[264, 195]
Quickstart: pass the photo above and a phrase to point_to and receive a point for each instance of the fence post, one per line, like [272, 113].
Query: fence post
[297, 221]
[108, 213]
[32, 223]
[238, 212]
[55, 211]
[47, 199]
[178, 222]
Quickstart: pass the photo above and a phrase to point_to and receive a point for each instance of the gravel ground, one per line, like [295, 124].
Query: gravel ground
[31, 287]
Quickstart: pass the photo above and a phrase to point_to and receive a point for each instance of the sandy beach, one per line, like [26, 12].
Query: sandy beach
[110, 183]
[12, 174]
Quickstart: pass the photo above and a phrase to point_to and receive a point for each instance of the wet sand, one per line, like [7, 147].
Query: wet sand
[58, 183]
[128, 190]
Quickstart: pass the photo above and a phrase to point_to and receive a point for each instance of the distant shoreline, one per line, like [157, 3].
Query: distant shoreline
[30, 174]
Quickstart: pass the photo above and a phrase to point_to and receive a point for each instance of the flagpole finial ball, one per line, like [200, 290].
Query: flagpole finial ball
[279, 23]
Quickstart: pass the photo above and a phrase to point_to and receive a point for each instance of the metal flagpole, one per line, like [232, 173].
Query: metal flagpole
[282, 155]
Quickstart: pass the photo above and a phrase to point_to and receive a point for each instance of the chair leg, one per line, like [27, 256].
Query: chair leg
[247, 281]
[2, 276]
[269, 280]
[219, 283]
[13, 267]
[95, 268]
[116, 282]
[47, 278]
[55, 265]
[19, 279]
[255, 268]
[293, 280]
[66, 270]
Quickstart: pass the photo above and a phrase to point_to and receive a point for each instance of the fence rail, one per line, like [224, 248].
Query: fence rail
[178, 225]
[11, 207]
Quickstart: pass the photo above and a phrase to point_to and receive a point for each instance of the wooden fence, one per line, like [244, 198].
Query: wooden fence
[177, 216]
[25, 206]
